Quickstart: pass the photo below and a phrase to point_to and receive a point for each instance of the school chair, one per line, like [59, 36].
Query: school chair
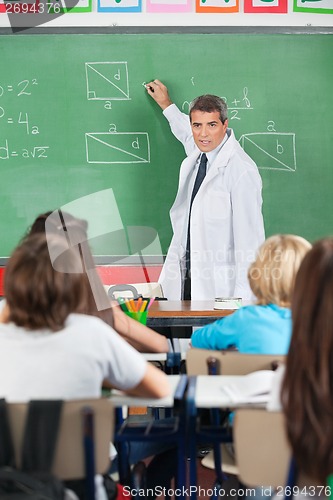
[263, 454]
[82, 449]
[228, 362]
[261, 448]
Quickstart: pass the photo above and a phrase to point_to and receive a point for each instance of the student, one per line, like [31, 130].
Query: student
[217, 225]
[307, 388]
[263, 328]
[61, 352]
[138, 335]
[50, 349]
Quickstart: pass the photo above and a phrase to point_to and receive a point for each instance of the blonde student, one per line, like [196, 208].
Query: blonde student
[265, 327]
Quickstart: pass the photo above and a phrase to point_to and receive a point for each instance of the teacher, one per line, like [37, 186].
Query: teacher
[216, 217]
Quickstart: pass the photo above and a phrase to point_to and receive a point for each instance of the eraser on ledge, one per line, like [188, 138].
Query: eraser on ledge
[228, 303]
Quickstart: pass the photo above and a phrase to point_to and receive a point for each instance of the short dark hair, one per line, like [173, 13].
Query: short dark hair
[62, 223]
[38, 296]
[209, 103]
[54, 222]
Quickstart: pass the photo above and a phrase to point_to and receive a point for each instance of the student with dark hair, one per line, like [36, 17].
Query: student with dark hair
[76, 230]
[51, 349]
[64, 352]
[307, 388]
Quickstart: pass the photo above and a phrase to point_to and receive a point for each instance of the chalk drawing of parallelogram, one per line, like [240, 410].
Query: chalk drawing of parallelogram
[107, 81]
[117, 147]
[271, 150]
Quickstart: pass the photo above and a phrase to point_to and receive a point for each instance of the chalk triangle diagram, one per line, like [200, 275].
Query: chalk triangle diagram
[117, 147]
[107, 81]
[271, 150]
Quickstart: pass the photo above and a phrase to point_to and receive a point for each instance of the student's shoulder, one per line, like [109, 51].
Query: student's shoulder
[252, 311]
[263, 311]
[89, 325]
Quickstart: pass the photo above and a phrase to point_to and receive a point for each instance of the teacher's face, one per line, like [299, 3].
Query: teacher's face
[208, 130]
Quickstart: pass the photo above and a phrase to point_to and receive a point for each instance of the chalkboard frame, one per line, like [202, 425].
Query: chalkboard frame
[256, 30]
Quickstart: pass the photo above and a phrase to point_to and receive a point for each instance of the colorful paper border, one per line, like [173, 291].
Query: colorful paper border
[163, 7]
[282, 8]
[312, 10]
[138, 8]
[77, 9]
[212, 10]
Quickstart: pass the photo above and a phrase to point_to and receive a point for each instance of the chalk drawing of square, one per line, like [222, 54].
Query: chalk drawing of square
[107, 81]
[117, 147]
[271, 150]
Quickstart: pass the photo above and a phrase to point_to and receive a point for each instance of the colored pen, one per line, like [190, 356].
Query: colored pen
[150, 303]
[129, 305]
[143, 306]
[122, 304]
[138, 304]
[132, 304]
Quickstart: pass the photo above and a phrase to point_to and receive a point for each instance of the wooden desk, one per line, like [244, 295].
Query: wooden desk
[184, 313]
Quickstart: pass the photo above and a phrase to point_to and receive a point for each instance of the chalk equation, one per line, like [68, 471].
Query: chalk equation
[6, 152]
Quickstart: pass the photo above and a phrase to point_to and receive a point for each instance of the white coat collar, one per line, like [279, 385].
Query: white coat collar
[219, 162]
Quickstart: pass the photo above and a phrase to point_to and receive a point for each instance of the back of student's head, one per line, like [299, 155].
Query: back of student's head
[38, 296]
[272, 274]
[307, 392]
[75, 231]
[58, 222]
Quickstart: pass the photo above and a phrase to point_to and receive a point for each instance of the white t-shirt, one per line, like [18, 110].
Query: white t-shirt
[68, 364]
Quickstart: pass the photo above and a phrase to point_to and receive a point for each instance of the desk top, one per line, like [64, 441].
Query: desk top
[119, 398]
[210, 391]
[184, 313]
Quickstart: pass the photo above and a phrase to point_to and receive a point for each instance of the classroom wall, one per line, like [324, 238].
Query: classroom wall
[182, 13]
[296, 198]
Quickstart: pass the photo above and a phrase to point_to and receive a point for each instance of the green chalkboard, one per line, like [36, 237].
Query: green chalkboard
[63, 97]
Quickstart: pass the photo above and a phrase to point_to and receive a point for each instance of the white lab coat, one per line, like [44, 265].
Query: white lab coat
[226, 220]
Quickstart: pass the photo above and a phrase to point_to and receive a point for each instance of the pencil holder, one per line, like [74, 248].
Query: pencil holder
[138, 316]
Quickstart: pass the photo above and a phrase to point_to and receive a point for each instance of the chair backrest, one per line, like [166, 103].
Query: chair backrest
[69, 453]
[135, 290]
[229, 362]
[261, 447]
